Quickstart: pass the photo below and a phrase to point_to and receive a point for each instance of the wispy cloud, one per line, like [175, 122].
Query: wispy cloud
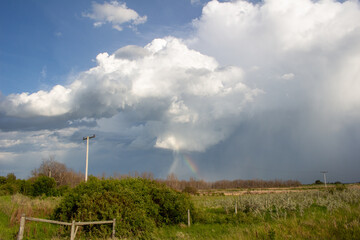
[195, 2]
[43, 72]
[58, 34]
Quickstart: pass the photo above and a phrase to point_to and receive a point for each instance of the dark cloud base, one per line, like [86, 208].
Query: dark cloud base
[8, 124]
[267, 147]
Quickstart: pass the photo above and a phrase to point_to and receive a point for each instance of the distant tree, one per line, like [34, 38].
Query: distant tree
[9, 185]
[62, 175]
[51, 168]
[73, 178]
[318, 182]
[191, 190]
[172, 181]
[147, 175]
[26, 186]
[2, 180]
[10, 178]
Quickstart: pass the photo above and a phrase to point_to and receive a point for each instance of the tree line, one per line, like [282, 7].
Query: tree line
[173, 182]
[50, 179]
[53, 178]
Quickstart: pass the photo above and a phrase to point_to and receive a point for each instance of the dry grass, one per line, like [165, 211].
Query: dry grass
[245, 191]
[31, 207]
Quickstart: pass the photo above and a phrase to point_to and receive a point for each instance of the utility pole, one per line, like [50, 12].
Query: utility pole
[87, 154]
[324, 172]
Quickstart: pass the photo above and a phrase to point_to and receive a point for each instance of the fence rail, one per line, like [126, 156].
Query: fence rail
[74, 225]
[92, 223]
[46, 221]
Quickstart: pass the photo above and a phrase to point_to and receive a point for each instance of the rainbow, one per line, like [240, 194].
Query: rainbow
[191, 165]
[181, 163]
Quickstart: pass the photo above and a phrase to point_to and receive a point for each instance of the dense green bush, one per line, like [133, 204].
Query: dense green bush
[2, 180]
[8, 189]
[139, 205]
[9, 185]
[44, 185]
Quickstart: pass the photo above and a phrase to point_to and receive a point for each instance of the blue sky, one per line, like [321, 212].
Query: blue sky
[237, 89]
[54, 38]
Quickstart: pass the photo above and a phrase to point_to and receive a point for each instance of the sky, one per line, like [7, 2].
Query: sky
[204, 89]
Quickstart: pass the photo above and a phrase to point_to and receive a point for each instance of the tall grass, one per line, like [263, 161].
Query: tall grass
[325, 214]
[278, 205]
[312, 214]
[11, 209]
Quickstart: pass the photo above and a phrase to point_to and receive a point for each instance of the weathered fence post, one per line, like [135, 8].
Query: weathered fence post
[236, 207]
[74, 225]
[76, 229]
[113, 230]
[188, 217]
[22, 227]
[72, 232]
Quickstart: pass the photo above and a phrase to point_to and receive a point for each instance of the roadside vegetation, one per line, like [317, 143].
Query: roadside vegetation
[138, 205]
[332, 213]
[145, 208]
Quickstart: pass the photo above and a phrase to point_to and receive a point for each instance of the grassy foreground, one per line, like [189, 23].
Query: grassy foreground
[307, 214]
[11, 209]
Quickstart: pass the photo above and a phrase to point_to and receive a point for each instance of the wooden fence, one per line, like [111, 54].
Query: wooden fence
[74, 225]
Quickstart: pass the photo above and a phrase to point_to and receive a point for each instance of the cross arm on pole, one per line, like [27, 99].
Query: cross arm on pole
[85, 138]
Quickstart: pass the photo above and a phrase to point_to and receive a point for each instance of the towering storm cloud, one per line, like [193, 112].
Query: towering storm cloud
[186, 99]
[305, 56]
[252, 87]
[297, 50]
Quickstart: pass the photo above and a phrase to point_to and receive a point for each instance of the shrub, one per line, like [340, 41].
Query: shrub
[9, 185]
[8, 189]
[340, 187]
[10, 178]
[139, 205]
[26, 187]
[2, 180]
[191, 190]
[44, 186]
[318, 182]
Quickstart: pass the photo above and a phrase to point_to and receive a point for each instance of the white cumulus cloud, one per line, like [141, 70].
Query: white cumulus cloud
[186, 99]
[115, 13]
[314, 43]
[42, 103]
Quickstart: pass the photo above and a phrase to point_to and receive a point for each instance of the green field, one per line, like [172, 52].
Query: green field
[309, 213]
